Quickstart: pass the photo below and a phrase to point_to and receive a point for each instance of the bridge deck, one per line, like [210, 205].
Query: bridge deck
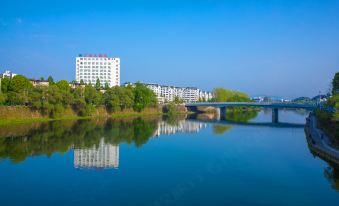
[252, 104]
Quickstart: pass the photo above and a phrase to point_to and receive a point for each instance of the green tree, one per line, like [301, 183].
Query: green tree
[3, 98]
[127, 97]
[19, 83]
[5, 84]
[63, 85]
[82, 82]
[178, 100]
[50, 80]
[335, 84]
[97, 84]
[106, 85]
[143, 97]
[224, 95]
[50, 100]
[171, 109]
[42, 78]
[92, 96]
[111, 99]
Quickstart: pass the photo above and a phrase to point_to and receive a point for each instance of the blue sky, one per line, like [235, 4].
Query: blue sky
[284, 48]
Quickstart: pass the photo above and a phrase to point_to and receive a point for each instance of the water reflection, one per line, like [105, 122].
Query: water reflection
[103, 156]
[332, 174]
[61, 136]
[96, 142]
[185, 126]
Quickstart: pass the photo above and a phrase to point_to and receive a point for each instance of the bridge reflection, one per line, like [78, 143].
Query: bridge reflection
[257, 124]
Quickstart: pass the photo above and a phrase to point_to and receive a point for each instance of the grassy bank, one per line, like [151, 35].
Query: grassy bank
[4, 122]
[10, 115]
[22, 115]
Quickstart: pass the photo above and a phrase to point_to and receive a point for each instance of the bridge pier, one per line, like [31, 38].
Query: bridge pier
[275, 115]
[217, 110]
[223, 113]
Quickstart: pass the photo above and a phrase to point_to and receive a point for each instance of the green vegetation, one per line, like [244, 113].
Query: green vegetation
[52, 100]
[329, 120]
[171, 109]
[335, 84]
[224, 95]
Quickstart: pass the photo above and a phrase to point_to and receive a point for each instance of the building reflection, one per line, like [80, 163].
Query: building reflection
[183, 126]
[102, 156]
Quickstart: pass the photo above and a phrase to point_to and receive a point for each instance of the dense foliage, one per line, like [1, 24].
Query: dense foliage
[224, 95]
[329, 119]
[335, 84]
[53, 99]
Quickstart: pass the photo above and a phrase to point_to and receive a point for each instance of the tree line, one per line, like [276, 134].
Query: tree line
[52, 100]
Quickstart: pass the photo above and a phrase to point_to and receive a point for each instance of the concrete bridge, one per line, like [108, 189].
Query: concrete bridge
[222, 107]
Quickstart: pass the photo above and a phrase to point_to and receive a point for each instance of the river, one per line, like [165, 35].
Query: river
[186, 160]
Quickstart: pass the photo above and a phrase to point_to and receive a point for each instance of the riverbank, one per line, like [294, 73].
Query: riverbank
[319, 142]
[21, 114]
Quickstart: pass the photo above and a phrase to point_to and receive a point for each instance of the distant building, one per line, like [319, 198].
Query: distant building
[36, 83]
[74, 85]
[102, 156]
[320, 98]
[90, 67]
[8, 74]
[167, 93]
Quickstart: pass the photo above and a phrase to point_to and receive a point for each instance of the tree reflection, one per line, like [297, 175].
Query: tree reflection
[60, 136]
[220, 129]
[241, 116]
[332, 174]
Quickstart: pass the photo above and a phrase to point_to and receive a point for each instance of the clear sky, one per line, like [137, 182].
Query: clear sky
[284, 48]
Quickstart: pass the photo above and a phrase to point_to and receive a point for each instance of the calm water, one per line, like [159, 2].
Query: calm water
[157, 161]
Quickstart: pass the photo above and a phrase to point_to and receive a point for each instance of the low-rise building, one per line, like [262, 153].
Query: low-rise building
[8, 74]
[167, 93]
[36, 83]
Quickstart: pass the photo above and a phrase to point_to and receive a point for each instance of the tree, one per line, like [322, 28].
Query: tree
[42, 78]
[63, 85]
[92, 96]
[335, 84]
[50, 80]
[5, 84]
[224, 95]
[97, 84]
[19, 83]
[127, 97]
[3, 98]
[143, 97]
[82, 82]
[111, 99]
[106, 85]
[178, 100]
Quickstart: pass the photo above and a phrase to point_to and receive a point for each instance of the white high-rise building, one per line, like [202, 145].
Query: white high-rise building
[90, 67]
